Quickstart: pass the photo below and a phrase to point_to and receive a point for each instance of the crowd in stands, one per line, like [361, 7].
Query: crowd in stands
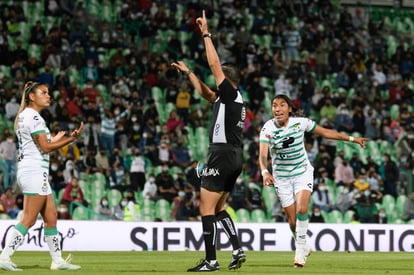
[107, 63]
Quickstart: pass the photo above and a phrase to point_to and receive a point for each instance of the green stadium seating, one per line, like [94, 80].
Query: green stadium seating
[335, 216]
[163, 210]
[243, 215]
[114, 197]
[258, 215]
[148, 210]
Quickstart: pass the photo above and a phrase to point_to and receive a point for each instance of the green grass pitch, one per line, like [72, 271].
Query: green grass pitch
[258, 262]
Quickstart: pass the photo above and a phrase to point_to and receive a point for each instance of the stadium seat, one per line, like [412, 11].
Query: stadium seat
[394, 111]
[163, 210]
[114, 197]
[335, 216]
[269, 197]
[81, 213]
[325, 216]
[243, 215]
[211, 81]
[201, 135]
[4, 216]
[399, 204]
[347, 218]
[258, 215]
[388, 203]
[147, 210]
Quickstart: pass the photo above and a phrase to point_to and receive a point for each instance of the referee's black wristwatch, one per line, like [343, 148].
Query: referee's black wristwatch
[207, 35]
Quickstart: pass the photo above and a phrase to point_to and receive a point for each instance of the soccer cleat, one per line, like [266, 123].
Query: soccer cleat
[65, 265]
[301, 254]
[237, 260]
[299, 263]
[8, 265]
[205, 266]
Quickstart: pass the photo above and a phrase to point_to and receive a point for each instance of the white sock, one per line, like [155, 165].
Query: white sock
[15, 240]
[54, 248]
[301, 230]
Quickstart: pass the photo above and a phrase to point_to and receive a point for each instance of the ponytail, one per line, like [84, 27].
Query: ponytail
[28, 88]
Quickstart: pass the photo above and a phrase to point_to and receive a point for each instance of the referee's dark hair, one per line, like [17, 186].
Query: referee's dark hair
[231, 73]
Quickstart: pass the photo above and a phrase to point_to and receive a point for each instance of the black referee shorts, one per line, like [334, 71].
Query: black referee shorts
[222, 167]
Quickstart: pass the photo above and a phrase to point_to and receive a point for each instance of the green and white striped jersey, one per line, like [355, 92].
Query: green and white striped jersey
[287, 147]
[30, 123]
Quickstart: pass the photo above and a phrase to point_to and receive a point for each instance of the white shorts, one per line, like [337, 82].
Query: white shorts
[33, 182]
[286, 188]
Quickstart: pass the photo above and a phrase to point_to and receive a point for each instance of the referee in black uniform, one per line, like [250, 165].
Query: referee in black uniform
[224, 161]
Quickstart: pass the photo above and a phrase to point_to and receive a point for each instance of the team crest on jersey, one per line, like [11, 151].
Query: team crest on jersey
[296, 127]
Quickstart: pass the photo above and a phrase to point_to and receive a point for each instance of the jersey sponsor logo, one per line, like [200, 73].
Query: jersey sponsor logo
[35, 117]
[287, 156]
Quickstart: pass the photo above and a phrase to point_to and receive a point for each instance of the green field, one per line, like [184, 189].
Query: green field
[257, 262]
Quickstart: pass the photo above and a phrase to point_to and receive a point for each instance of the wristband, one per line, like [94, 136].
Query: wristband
[207, 35]
[264, 171]
[351, 139]
[187, 73]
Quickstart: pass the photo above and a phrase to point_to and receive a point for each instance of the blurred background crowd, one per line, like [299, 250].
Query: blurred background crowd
[107, 63]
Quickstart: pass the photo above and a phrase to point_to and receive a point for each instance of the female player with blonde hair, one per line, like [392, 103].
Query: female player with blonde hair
[34, 145]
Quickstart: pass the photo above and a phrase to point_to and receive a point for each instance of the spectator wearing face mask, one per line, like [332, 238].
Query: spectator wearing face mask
[316, 216]
[56, 179]
[119, 213]
[344, 174]
[70, 171]
[103, 209]
[137, 169]
[150, 189]
[132, 210]
[381, 216]
[344, 200]
[89, 72]
[366, 205]
[108, 126]
[321, 197]
[134, 130]
[165, 184]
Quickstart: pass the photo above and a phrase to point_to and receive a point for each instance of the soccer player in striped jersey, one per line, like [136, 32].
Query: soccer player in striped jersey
[292, 173]
[34, 145]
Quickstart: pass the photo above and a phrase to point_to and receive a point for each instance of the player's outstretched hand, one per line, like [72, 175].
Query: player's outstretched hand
[360, 141]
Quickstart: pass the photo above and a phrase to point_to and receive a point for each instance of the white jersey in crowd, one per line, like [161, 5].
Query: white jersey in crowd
[31, 123]
[287, 147]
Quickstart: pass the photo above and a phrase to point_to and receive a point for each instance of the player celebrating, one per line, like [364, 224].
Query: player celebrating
[292, 172]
